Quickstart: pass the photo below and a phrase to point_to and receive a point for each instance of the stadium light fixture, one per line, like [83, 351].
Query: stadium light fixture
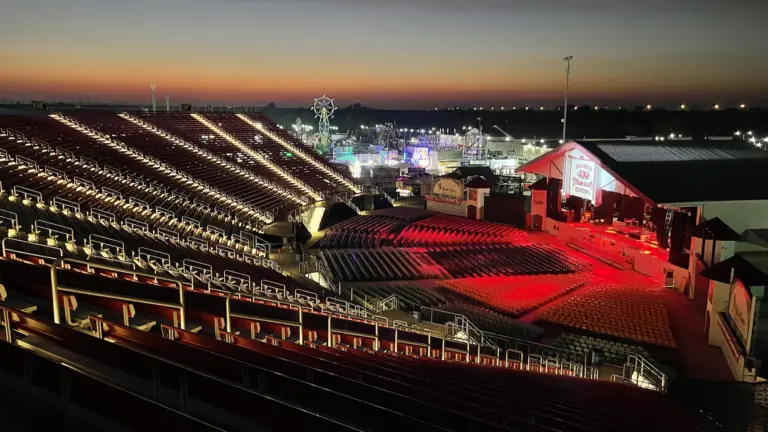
[742, 106]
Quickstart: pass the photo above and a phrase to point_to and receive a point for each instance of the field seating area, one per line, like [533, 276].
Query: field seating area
[379, 264]
[515, 295]
[504, 260]
[359, 232]
[445, 230]
[622, 311]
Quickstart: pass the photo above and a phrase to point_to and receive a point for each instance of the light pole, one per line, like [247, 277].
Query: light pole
[567, 79]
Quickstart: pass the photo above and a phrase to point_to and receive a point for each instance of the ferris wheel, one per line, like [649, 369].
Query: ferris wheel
[324, 109]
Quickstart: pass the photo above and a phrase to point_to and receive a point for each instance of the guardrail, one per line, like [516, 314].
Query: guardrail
[637, 370]
[56, 288]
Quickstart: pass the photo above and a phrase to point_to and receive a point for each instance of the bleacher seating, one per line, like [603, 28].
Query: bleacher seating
[183, 130]
[185, 251]
[336, 381]
[111, 229]
[622, 311]
[178, 157]
[359, 232]
[292, 143]
[515, 295]
[445, 230]
[504, 260]
[349, 265]
[66, 154]
[312, 177]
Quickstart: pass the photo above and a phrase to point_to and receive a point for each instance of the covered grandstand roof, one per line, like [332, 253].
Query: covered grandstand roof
[674, 172]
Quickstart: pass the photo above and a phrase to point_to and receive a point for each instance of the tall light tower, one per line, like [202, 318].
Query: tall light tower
[567, 79]
[324, 109]
[154, 102]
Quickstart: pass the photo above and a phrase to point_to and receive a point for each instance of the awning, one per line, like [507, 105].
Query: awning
[746, 267]
[715, 229]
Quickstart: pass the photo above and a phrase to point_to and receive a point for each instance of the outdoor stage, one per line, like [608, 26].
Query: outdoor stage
[625, 247]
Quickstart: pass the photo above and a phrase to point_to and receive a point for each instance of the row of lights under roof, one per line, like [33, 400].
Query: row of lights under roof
[749, 136]
[648, 107]
[260, 127]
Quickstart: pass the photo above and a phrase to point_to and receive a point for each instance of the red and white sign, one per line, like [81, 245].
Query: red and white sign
[740, 310]
[582, 182]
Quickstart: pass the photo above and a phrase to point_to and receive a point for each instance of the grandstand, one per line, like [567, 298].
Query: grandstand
[138, 276]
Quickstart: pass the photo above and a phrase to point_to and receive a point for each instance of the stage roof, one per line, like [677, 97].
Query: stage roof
[673, 172]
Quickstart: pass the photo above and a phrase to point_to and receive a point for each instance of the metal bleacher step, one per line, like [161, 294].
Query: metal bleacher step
[19, 301]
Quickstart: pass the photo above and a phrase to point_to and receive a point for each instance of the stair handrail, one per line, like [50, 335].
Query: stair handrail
[646, 370]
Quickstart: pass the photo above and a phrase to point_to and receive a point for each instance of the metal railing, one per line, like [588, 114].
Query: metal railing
[56, 289]
[387, 304]
[637, 370]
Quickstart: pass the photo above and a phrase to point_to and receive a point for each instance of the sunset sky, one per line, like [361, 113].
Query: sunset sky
[387, 53]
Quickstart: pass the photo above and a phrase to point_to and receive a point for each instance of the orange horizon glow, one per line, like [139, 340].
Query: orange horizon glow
[259, 51]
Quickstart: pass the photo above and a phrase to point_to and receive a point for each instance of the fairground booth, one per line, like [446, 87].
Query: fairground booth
[686, 213]
[462, 192]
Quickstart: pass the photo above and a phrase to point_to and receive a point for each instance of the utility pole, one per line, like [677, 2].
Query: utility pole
[567, 79]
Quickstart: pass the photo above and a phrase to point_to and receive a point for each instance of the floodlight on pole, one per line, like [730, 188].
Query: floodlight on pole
[567, 81]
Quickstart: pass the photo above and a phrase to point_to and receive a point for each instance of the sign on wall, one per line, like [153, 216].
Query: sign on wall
[539, 203]
[582, 182]
[740, 309]
[449, 188]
